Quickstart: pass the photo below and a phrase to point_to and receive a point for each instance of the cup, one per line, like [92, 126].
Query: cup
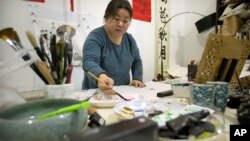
[202, 95]
[221, 91]
[181, 90]
[59, 91]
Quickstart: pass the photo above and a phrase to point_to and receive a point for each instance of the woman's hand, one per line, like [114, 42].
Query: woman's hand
[106, 84]
[137, 83]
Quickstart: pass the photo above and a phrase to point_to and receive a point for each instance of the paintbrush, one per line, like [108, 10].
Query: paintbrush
[38, 67]
[8, 32]
[42, 56]
[35, 45]
[71, 108]
[9, 41]
[99, 80]
[12, 36]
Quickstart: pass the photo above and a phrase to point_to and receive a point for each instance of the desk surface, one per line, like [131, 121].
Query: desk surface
[230, 119]
[149, 93]
[109, 115]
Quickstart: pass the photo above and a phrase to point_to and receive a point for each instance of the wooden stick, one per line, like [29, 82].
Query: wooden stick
[99, 80]
[95, 77]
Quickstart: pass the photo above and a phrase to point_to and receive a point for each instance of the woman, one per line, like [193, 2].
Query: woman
[109, 52]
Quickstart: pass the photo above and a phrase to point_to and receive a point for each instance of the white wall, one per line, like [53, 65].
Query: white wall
[185, 41]
[15, 14]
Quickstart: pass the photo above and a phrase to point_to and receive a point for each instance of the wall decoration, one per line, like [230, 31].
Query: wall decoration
[42, 1]
[142, 10]
[45, 21]
[162, 50]
[72, 5]
[163, 20]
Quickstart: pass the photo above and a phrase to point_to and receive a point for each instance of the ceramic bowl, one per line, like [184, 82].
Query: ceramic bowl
[20, 122]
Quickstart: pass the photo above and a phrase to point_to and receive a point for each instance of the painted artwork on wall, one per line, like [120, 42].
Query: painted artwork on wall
[46, 22]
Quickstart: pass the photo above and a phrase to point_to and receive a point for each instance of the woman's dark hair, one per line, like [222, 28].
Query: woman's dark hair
[114, 5]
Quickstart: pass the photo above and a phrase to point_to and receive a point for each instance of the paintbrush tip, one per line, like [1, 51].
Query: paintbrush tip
[32, 39]
[4, 37]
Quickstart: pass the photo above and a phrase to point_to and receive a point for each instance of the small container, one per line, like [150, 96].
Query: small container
[192, 70]
[59, 91]
[181, 89]
[202, 95]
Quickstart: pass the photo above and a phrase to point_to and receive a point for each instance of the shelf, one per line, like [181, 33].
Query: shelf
[232, 2]
[222, 6]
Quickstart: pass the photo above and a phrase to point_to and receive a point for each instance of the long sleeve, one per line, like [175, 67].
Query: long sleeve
[137, 70]
[101, 55]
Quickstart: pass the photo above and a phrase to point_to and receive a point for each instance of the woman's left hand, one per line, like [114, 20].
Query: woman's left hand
[137, 83]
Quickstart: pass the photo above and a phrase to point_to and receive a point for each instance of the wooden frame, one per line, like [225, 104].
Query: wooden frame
[223, 59]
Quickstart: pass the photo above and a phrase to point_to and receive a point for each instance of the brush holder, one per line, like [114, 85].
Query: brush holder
[59, 91]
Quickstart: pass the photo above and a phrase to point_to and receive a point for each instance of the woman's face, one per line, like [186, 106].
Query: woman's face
[118, 24]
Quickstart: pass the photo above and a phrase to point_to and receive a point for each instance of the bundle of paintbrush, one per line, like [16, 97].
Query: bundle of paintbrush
[56, 55]
[55, 63]
[11, 37]
[64, 53]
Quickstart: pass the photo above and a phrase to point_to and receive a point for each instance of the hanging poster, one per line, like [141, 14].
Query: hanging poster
[42, 1]
[142, 10]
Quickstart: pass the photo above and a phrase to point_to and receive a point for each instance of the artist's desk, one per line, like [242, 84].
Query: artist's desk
[150, 93]
[111, 117]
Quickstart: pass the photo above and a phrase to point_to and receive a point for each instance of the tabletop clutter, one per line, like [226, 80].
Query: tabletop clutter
[195, 111]
[179, 109]
[184, 113]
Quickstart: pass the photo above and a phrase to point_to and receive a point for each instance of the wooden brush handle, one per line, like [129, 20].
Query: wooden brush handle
[42, 67]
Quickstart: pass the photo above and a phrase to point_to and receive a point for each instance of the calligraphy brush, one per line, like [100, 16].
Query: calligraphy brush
[99, 80]
[42, 56]
[11, 38]
[35, 45]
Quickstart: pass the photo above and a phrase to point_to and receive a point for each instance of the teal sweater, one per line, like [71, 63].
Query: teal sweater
[100, 55]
